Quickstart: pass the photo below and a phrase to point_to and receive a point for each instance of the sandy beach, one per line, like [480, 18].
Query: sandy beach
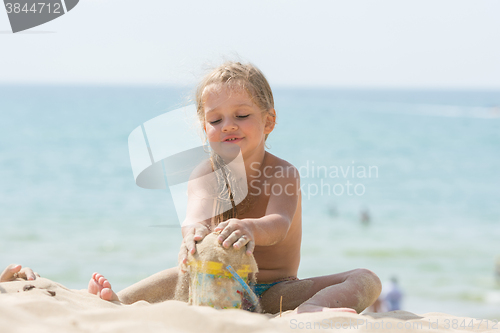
[46, 306]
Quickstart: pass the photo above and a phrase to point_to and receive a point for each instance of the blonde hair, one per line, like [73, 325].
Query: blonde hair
[235, 76]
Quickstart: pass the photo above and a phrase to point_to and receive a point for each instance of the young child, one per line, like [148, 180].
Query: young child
[235, 105]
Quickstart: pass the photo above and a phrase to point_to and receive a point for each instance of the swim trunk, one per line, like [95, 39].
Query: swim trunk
[261, 288]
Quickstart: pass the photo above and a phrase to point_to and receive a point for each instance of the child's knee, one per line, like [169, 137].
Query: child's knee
[369, 283]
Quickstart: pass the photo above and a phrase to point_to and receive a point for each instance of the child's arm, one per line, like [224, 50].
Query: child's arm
[200, 204]
[273, 226]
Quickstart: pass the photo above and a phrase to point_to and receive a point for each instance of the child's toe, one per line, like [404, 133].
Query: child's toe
[106, 294]
[106, 284]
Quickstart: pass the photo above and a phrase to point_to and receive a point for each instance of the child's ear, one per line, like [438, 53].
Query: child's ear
[270, 121]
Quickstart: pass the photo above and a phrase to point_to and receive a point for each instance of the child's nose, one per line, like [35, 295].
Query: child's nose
[229, 126]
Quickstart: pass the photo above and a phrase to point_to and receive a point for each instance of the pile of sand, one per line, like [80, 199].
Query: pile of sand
[210, 282]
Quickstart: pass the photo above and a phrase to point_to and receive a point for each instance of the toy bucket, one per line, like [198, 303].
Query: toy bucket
[213, 285]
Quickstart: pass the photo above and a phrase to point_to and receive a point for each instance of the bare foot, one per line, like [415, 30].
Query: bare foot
[303, 308]
[101, 287]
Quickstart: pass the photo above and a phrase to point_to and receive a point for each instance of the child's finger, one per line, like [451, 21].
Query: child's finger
[29, 273]
[221, 226]
[15, 268]
[200, 234]
[8, 273]
[191, 247]
[231, 239]
[250, 247]
[225, 234]
[241, 242]
[189, 243]
[182, 257]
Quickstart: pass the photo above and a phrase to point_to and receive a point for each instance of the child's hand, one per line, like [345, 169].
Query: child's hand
[191, 236]
[237, 233]
[13, 272]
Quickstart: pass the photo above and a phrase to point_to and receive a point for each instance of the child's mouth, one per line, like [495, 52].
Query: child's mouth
[233, 140]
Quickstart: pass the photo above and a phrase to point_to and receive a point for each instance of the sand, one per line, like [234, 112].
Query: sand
[216, 287]
[50, 307]
[46, 306]
[210, 250]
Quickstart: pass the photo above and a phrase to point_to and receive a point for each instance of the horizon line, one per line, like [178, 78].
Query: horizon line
[275, 87]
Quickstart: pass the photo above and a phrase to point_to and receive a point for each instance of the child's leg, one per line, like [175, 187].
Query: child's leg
[356, 289]
[156, 288]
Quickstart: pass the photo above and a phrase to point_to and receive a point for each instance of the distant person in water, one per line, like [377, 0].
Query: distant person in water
[393, 295]
[365, 217]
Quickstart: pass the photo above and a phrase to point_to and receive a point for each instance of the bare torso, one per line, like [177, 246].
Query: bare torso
[280, 260]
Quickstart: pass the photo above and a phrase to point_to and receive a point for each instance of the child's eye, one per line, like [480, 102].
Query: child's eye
[243, 116]
[214, 122]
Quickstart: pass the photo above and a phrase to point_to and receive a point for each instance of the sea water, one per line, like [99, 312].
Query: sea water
[423, 165]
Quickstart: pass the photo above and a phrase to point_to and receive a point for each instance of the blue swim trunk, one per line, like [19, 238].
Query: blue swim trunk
[261, 288]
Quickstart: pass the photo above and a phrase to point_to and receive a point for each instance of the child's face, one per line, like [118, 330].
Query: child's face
[231, 117]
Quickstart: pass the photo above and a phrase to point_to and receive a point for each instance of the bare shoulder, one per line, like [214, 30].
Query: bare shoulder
[273, 160]
[202, 169]
[281, 168]
[201, 180]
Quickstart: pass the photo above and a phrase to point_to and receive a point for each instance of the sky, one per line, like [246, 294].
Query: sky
[369, 44]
